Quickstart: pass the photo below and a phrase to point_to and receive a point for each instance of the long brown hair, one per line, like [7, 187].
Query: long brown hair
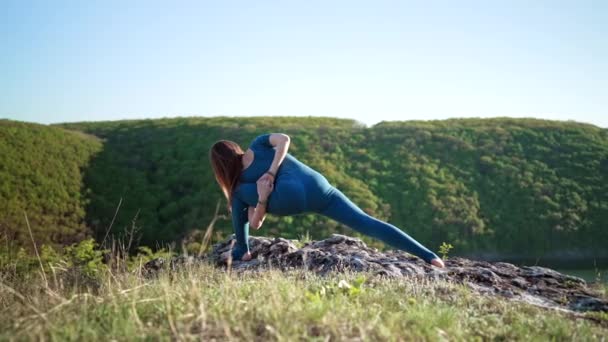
[227, 161]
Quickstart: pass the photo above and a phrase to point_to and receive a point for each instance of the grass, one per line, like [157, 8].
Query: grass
[202, 302]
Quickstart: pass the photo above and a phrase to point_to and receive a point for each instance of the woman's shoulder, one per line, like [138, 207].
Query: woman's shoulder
[261, 141]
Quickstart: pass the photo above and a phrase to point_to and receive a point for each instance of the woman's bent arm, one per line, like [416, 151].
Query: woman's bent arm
[264, 187]
[281, 142]
[254, 222]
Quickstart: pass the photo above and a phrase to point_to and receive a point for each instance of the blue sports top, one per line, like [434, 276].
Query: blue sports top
[297, 187]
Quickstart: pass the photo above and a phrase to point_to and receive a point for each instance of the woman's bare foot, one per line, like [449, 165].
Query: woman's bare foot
[246, 256]
[438, 262]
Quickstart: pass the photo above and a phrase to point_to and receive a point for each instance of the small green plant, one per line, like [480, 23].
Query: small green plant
[145, 254]
[444, 249]
[305, 238]
[49, 257]
[318, 293]
[302, 240]
[86, 257]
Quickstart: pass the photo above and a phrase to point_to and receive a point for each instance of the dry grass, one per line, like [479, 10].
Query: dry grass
[202, 302]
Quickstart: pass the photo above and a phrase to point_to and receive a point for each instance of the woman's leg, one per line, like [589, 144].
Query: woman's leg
[341, 209]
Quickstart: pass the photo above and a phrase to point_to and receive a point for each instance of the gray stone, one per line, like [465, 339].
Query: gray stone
[531, 284]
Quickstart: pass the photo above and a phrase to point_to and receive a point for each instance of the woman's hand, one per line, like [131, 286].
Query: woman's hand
[265, 187]
[267, 177]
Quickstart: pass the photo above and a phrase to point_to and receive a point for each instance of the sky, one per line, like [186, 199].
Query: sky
[372, 61]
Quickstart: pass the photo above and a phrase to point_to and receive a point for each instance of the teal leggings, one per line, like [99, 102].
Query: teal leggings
[338, 207]
[341, 209]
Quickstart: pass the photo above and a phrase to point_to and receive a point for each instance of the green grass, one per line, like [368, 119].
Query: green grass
[206, 303]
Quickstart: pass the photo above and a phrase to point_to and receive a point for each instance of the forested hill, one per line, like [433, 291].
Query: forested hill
[41, 171]
[512, 186]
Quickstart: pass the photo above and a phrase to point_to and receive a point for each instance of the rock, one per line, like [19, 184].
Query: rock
[531, 284]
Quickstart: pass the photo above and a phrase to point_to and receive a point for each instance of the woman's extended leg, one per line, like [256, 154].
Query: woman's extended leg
[341, 209]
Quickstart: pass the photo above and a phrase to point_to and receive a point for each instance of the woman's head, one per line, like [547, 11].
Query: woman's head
[226, 159]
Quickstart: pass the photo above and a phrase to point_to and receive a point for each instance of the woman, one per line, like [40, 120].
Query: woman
[266, 179]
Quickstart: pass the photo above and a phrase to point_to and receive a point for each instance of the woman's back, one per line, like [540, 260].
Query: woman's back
[297, 188]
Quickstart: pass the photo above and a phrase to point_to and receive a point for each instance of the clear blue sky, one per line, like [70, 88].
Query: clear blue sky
[370, 60]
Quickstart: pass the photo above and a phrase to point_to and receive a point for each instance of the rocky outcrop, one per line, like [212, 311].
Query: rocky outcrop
[532, 284]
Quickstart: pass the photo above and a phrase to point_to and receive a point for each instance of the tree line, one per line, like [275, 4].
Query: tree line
[512, 186]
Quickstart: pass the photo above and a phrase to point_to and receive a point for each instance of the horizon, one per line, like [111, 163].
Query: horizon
[306, 117]
[391, 61]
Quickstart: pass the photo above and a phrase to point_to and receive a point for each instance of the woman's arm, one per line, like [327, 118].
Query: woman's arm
[257, 216]
[241, 229]
[281, 143]
[265, 187]
[251, 215]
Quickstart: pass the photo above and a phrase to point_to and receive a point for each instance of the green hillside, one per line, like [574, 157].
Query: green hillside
[160, 169]
[504, 186]
[41, 171]
[515, 186]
